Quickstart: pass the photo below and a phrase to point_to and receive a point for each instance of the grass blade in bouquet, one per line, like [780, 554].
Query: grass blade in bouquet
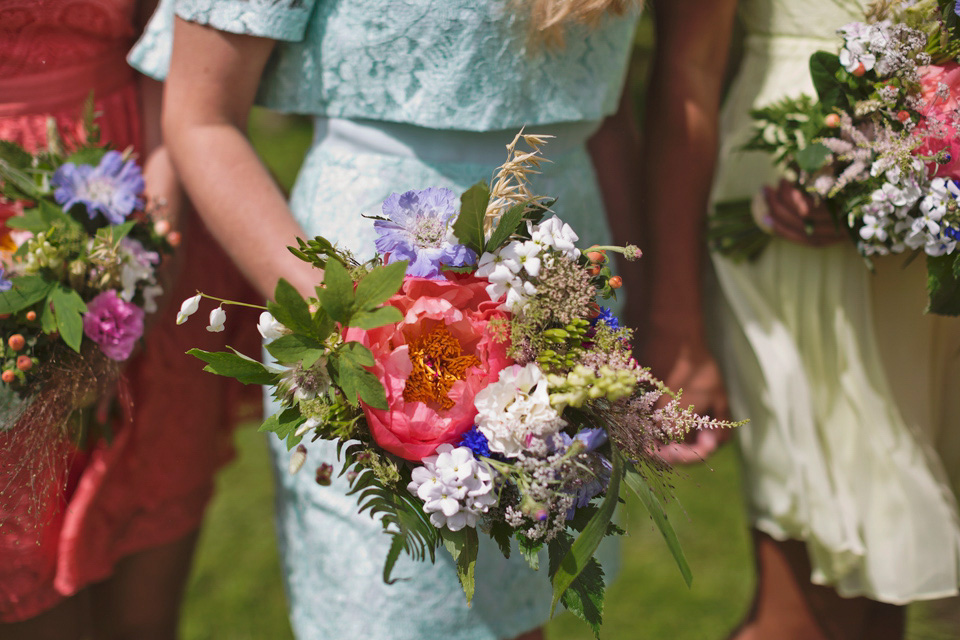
[78, 259]
[472, 380]
[878, 145]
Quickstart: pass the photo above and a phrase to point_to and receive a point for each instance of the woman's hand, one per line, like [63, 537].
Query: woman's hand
[796, 216]
[680, 358]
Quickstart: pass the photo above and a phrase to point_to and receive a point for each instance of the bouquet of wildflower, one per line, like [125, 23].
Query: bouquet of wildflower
[78, 262]
[879, 145]
[471, 380]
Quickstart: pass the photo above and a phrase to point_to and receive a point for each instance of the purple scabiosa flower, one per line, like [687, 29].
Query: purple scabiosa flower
[419, 230]
[476, 442]
[5, 283]
[114, 324]
[595, 479]
[112, 188]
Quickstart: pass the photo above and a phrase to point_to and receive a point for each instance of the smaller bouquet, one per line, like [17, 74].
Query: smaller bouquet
[472, 381]
[879, 145]
[78, 272]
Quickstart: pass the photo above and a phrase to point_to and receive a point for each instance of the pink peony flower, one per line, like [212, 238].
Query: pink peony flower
[432, 363]
[941, 134]
[114, 324]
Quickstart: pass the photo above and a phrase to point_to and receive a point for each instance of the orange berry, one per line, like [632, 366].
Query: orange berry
[16, 342]
[31, 316]
[162, 227]
[24, 363]
[174, 238]
[7, 376]
[860, 70]
[597, 256]
[903, 116]
[594, 270]
[832, 120]
[616, 282]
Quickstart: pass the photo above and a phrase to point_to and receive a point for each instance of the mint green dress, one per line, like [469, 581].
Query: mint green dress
[408, 95]
[853, 444]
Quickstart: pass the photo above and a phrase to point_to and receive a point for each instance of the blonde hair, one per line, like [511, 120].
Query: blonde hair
[549, 18]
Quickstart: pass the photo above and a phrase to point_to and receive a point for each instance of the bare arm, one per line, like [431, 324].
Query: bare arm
[679, 154]
[209, 93]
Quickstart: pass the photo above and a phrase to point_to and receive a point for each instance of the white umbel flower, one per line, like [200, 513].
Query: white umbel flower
[188, 308]
[455, 487]
[516, 408]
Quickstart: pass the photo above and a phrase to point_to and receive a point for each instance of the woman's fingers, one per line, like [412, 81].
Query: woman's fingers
[796, 217]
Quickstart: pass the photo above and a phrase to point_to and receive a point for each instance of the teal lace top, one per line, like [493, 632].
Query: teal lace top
[443, 64]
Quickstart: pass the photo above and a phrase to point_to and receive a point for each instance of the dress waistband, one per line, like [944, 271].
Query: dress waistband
[440, 146]
[47, 90]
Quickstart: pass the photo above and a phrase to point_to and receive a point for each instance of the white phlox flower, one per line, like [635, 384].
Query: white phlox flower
[188, 308]
[516, 408]
[455, 487]
[217, 317]
[873, 228]
[557, 234]
[270, 328]
[523, 255]
[487, 264]
[854, 54]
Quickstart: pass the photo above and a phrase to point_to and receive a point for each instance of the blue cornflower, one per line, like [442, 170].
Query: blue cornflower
[607, 317]
[476, 442]
[112, 188]
[5, 283]
[419, 230]
[952, 233]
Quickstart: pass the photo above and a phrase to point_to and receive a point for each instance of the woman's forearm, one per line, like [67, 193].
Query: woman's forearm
[205, 113]
[680, 144]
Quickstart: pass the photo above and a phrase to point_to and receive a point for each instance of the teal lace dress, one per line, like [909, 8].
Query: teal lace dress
[406, 95]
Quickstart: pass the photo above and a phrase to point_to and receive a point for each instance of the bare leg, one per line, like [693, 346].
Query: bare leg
[141, 601]
[66, 621]
[788, 606]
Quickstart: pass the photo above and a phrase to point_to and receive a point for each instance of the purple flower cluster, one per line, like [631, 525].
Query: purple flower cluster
[112, 188]
[419, 230]
[5, 283]
[114, 324]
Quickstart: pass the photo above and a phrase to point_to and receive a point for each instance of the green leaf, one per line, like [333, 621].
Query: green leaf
[396, 546]
[54, 216]
[14, 155]
[469, 225]
[502, 534]
[17, 183]
[296, 347]
[31, 220]
[87, 155]
[589, 539]
[357, 354]
[26, 290]
[584, 597]
[379, 285]
[337, 297]
[291, 310]
[507, 225]
[530, 551]
[68, 308]
[235, 365]
[642, 489]
[943, 285]
[812, 157]
[356, 382]
[463, 546]
[48, 321]
[823, 71]
[285, 425]
[378, 317]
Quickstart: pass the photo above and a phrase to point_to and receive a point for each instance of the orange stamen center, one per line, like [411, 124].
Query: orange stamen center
[438, 362]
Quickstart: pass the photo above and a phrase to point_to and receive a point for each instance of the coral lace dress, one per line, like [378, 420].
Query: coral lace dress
[150, 484]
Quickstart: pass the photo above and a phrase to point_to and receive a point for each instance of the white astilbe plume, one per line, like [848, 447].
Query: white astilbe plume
[510, 185]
